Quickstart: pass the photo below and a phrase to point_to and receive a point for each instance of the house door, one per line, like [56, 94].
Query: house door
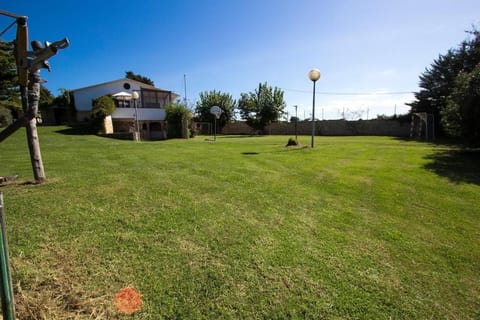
[156, 131]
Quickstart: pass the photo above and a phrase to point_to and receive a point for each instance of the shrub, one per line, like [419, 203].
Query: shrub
[101, 107]
[292, 142]
[5, 117]
[176, 114]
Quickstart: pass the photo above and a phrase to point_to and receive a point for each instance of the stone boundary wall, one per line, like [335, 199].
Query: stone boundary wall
[327, 128]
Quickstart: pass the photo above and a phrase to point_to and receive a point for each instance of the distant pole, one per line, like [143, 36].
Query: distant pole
[185, 88]
[296, 120]
[313, 115]
[322, 115]
[215, 128]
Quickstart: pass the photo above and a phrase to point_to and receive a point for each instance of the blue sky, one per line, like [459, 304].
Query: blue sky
[370, 48]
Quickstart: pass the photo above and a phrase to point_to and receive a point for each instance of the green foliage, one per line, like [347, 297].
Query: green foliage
[46, 98]
[5, 117]
[292, 142]
[209, 99]
[9, 88]
[461, 116]
[64, 99]
[439, 81]
[101, 108]
[262, 106]
[401, 118]
[138, 77]
[177, 114]
[294, 119]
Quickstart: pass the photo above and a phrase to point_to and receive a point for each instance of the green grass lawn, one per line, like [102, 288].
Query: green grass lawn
[244, 228]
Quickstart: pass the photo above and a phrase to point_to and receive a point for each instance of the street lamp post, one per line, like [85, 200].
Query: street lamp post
[314, 75]
[296, 120]
[137, 129]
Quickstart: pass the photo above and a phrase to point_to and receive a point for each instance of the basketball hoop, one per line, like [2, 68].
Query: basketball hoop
[216, 111]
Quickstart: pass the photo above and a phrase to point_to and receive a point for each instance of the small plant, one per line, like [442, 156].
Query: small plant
[192, 132]
[292, 142]
[101, 107]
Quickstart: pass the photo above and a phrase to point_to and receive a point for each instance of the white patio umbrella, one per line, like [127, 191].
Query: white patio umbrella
[122, 95]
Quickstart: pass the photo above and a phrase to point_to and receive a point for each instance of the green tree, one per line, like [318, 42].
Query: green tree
[64, 102]
[9, 88]
[438, 81]
[262, 106]
[5, 117]
[102, 107]
[215, 98]
[178, 117]
[138, 77]
[46, 98]
[461, 116]
[64, 99]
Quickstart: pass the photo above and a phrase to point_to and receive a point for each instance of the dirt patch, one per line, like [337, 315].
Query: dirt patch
[57, 288]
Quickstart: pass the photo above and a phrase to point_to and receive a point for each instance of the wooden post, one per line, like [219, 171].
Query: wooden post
[31, 125]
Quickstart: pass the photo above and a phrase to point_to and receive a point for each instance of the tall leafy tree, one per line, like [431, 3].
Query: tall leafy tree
[178, 117]
[64, 101]
[46, 98]
[64, 98]
[264, 105]
[438, 81]
[209, 99]
[9, 89]
[101, 108]
[138, 77]
[461, 116]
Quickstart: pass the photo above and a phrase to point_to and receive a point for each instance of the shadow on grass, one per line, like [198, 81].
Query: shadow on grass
[460, 165]
[77, 130]
[238, 136]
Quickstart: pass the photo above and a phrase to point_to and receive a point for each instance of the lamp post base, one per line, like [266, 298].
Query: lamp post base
[136, 136]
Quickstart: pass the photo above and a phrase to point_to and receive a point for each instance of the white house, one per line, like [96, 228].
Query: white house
[147, 111]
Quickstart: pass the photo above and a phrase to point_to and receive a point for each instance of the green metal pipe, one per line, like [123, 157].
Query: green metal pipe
[8, 305]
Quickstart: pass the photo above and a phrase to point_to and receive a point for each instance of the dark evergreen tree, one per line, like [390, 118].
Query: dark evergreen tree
[461, 116]
[439, 81]
[9, 89]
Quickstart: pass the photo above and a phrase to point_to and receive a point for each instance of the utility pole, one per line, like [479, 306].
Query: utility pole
[29, 64]
[185, 88]
[296, 120]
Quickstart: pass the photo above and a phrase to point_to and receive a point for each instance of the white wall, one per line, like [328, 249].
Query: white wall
[143, 114]
[83, 97]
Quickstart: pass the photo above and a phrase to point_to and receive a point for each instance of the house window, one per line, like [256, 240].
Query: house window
[149, 99]
[122, 103]
[155, 98]
[126, 86]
